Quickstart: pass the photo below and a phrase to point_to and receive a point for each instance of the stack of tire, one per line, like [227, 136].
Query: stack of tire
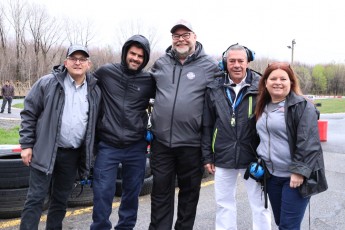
[82, 194]
[14, 182]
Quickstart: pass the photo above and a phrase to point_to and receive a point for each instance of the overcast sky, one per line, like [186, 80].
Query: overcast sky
[265, 26]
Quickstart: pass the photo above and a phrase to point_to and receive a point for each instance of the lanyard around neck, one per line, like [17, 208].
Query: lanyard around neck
[238, 99]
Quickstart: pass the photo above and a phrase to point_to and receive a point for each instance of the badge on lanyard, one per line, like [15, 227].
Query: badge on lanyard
[233, 120]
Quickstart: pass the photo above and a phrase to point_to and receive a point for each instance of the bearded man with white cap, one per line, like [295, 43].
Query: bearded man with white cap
[181, 75]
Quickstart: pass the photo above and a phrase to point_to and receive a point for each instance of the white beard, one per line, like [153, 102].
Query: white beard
[182, 51]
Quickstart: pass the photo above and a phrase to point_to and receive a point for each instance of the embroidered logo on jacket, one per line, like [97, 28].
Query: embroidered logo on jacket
[190, 75]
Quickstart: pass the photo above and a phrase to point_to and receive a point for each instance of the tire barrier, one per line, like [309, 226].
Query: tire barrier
[81, 196]
[13, 173]
[12, 202]
[14, 183]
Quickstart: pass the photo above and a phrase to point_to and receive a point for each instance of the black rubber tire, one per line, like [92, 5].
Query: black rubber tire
[147, 169]
[146, 188]
[12, 202]
[206, 174]
[13, 172]
[84, 199]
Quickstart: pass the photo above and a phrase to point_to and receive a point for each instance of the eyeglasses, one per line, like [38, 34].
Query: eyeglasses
[185, 36]
[81, 60]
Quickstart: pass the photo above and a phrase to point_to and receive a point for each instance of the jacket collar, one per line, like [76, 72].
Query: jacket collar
[292, 99]
[60, 72]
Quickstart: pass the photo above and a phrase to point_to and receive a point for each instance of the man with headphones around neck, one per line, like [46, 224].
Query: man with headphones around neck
[229, 137]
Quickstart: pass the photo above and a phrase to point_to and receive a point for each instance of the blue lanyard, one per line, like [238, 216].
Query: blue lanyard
[237, 100]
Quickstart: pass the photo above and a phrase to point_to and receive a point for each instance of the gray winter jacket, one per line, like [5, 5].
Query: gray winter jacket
[178, 108]
[41, 121]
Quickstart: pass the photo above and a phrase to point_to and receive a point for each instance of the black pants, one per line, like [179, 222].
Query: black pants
[61, 182]
[166, 163]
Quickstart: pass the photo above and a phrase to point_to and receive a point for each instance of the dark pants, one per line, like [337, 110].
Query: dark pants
[133, 160]
[4, 101]
[61, 182]
[166, 163]
[288, 205]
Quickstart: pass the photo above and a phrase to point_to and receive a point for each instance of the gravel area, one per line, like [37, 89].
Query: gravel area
[8, 124]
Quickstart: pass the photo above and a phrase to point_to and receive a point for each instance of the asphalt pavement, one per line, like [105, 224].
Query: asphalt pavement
[14, 115]
[327, 209]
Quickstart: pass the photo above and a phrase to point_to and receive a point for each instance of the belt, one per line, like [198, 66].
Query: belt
[68, 149]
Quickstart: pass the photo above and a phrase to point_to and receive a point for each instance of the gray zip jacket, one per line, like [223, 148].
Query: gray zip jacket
[179, 101]
[304, 147]
[41, 121]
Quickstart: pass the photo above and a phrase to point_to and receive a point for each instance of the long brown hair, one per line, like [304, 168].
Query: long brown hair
[264, 97]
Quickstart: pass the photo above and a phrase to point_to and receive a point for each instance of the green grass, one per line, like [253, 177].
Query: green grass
[9, 136]
[19, 106]
[336, 105]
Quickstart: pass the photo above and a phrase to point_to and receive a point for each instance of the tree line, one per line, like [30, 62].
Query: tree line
[32, 42]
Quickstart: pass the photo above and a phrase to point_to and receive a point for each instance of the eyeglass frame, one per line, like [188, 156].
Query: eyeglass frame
[185, 36]
[75, 60]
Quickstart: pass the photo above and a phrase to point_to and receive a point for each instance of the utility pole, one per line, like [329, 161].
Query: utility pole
[292, 49]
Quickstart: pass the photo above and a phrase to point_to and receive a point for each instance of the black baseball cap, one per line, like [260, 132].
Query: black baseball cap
[74, 48]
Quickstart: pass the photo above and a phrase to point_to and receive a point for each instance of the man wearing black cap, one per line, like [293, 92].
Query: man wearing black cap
[182, 75]
[57, 136]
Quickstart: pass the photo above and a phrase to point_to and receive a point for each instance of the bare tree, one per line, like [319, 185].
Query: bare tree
[17, 18]
[52, 39]
[37, 17]
[79, 32]
[3, 45]
[126, 29]
[3, 29]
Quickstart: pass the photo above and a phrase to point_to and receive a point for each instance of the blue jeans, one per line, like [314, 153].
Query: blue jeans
[60, 184]
[133, 160]
[288, 205]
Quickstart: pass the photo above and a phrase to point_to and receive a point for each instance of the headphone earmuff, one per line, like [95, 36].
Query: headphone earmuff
[250, 56]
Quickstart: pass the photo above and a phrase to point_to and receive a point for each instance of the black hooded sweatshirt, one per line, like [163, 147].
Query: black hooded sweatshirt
[125, 98]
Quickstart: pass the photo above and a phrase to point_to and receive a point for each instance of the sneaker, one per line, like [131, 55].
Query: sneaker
[9, 112]
[1, 111]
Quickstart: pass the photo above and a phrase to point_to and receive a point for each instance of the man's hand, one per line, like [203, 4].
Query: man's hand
[26, 155]
[210, 168]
